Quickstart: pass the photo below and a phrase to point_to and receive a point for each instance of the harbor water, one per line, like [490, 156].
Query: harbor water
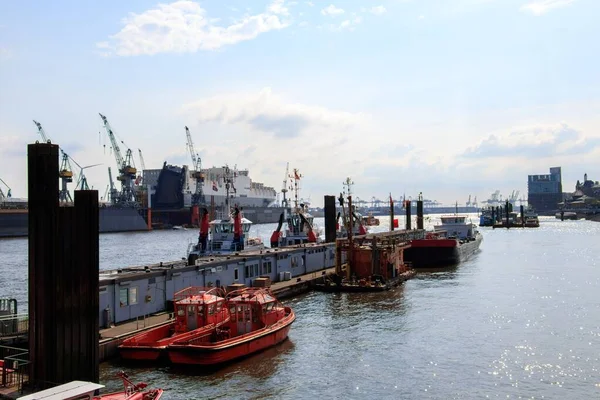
[521, 319]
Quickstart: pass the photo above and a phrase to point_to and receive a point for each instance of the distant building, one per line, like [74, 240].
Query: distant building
[544, 192]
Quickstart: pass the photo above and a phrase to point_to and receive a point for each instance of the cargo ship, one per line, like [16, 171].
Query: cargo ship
[172, 189]
[14, 219]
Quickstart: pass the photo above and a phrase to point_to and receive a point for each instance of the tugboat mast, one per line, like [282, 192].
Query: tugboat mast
[296, 178]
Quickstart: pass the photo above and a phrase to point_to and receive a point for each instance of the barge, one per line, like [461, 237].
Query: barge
[450, 243]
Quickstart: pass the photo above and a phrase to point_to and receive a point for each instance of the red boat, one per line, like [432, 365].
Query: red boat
[258, 321]
[197, 310]
[131, 391]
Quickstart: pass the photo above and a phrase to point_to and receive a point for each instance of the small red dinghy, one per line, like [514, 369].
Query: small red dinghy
[258, 321]
[132, 391]
[197, 310]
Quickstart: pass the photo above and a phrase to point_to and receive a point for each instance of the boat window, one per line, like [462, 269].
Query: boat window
[191, 310]
[246, 228]
[240, 314]
[219, 306]
[201, 311]
[232, 311]
[211, 309]
[180, 311]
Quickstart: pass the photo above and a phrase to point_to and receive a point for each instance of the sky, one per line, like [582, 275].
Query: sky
[450, 98]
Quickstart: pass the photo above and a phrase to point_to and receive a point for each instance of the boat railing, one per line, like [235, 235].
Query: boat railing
[14, 367]
[14, 325]
[197, 291]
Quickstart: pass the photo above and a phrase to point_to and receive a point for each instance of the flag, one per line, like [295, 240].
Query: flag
[296, 175]
[215, 188]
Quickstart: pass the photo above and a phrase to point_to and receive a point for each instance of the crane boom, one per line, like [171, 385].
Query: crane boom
[190, 146]
[2, 195]
[142, 163]
[113, 141]
[41, 130]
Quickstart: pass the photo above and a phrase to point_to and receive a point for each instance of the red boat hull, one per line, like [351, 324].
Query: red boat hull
[231, 349]
[151, 345]
[147, 346]
[154, 394]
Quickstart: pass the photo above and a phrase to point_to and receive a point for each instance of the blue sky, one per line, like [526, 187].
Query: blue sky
[447, 97]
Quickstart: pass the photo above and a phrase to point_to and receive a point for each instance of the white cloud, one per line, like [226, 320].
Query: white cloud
[332, 10]
[182, 27]
[421, 17]
[275, 131]
[378, 10]
[540, 7]
[348, 24]
[5, 53]
[268, 113]
[534, 141]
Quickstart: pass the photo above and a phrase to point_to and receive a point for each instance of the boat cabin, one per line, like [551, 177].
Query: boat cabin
[196, 307]
[297, 227]
[222, 235]
[252, 309]
[456, 226]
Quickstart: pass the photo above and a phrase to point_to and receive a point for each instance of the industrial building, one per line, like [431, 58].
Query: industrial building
[544, 192]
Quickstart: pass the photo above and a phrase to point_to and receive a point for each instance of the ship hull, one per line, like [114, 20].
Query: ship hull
[231, 349]
[112, 219]
[433, 253]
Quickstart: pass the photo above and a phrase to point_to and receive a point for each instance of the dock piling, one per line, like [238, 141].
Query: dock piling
[330, 220]
[63, 276]
[407, 205]
[420, 212]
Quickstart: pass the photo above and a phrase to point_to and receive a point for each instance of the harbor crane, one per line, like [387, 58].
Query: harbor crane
[140, 178]
[198, 196]
[113, 194]
[8, 195]
[284, 202]
[127, 171]
[65, 172]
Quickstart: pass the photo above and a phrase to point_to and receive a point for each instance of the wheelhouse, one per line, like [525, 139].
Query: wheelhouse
[196, 307]
[252, 309]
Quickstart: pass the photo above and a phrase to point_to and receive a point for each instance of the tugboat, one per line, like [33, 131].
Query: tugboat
[370, 220]
[131, 391]
[197, 310]
[258, 321]
[300, 223]
[223, 235]
[451, 242]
